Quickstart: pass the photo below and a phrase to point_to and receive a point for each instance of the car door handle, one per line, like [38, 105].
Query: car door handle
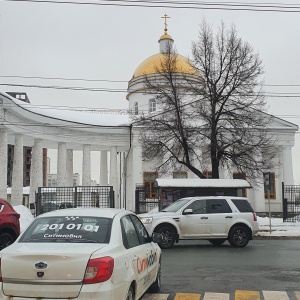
[204, 218]
[228, 217]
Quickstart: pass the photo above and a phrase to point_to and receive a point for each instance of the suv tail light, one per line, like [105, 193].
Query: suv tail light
[254, 216]
[98, 270]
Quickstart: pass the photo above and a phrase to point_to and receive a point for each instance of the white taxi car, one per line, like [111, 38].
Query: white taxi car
[83, 254]
[212, 218]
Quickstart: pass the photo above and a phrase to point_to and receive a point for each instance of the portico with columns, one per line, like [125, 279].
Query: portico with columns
[110, 135]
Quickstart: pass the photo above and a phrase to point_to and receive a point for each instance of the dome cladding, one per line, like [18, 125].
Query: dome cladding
[154, 65]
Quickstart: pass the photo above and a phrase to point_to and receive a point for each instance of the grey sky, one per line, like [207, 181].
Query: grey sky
[109, 42]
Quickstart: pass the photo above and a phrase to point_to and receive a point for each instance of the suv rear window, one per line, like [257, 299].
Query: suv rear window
[217, 206]
[242, 205]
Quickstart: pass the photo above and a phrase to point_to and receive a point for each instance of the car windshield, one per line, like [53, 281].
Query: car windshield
[176, 205]
[68, 229]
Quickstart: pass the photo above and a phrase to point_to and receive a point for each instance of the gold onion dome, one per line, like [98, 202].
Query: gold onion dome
[154, 64]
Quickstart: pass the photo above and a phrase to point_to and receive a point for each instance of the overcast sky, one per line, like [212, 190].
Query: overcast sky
[102, 42]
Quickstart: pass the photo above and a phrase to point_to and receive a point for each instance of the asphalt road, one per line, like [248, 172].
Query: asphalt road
[199, 267]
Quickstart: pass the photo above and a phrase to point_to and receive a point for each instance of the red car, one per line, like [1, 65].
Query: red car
[9, 224]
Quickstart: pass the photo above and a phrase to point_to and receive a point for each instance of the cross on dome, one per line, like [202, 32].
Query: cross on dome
[165, 16]
[165, 41]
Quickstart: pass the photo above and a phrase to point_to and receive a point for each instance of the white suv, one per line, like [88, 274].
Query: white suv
[212, 218]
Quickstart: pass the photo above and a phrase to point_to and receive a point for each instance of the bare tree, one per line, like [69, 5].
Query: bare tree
[232, 104]
[218, 108]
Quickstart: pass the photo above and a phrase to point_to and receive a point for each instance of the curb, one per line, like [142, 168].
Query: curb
[260, 237]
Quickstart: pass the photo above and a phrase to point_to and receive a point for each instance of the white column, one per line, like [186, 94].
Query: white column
[137, 165]
[3, 163]
[36, 170]
[225, 173]
[256, 194]
[287, 163]
[137, 174]
[62, 164]
[103, 168]
[17, 174]
[86, 166]
[123, 180]
[69, 167]
[113, 174]
[192, 156]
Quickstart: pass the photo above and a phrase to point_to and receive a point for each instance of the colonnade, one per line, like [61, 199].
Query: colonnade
[64, 167]
[130, 163]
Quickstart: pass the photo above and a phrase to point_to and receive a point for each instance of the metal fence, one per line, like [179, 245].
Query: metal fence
[52, 198]
[143, 204]
[291, 203]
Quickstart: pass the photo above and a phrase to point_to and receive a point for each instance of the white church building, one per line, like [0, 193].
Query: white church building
[116, 139]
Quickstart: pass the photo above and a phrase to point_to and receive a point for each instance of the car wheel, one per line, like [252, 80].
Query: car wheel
[239, 236]
[155, 287]
[217, 242]
[5, 240]
[130, 294]
[168, 237]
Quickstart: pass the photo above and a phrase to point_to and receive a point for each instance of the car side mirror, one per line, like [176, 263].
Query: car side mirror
[157, 237]
[187, 211]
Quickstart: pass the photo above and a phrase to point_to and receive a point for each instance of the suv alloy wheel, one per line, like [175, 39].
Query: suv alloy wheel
[168, 236]
[239, 236]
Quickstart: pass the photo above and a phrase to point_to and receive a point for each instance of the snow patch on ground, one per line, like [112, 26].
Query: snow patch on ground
[278, 227]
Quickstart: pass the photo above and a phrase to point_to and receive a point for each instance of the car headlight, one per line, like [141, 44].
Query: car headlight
[147, 220]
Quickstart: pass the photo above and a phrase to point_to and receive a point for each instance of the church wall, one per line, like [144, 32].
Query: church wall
[256, 194]
[142, 100]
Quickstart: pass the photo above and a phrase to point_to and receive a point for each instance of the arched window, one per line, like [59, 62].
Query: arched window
[152, 105]
[136, 108]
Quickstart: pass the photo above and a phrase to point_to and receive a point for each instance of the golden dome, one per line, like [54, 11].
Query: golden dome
[153, 65]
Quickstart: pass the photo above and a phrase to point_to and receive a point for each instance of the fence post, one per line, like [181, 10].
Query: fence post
[112, 197]
[284, 209]
[137, 201]
[38, 201]
[75, 196]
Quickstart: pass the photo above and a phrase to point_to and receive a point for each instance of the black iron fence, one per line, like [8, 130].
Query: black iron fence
[144, 204]
[52, 198]
[291, 203]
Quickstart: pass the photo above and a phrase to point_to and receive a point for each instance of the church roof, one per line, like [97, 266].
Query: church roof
[166, 36]
[154, 64]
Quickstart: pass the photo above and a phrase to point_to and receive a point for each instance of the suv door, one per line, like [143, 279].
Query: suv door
[221, 217]
[196, 224]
